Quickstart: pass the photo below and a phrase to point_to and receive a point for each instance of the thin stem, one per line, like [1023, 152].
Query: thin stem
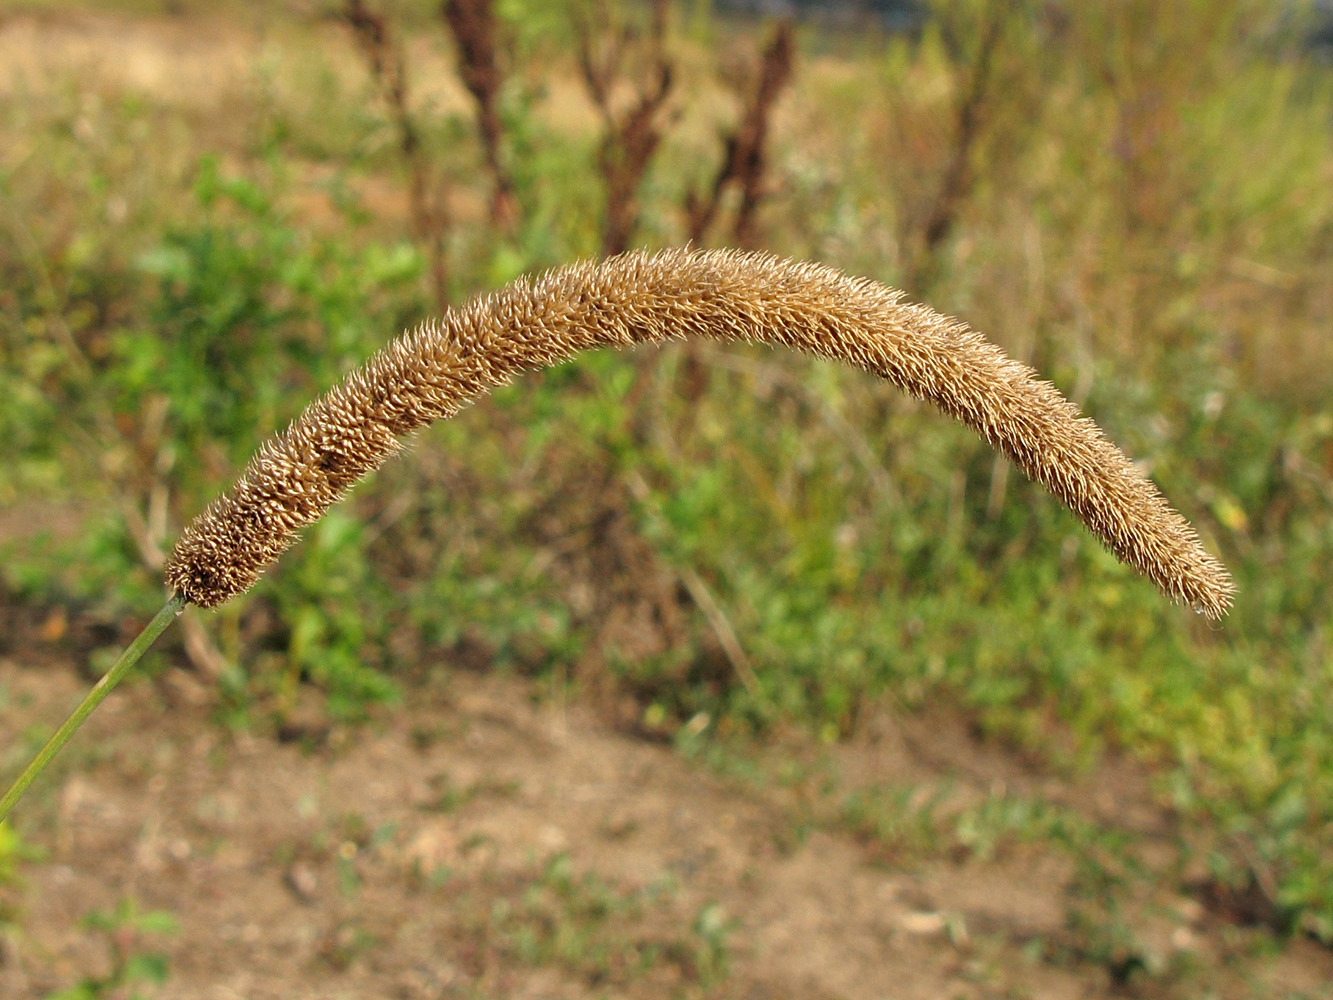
[95, 697]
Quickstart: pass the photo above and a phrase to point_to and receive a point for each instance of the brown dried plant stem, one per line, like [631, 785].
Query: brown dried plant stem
[743, 162]
[957, 180]
[472, 23]
[433, 371]
[632, 134]
[426, 201]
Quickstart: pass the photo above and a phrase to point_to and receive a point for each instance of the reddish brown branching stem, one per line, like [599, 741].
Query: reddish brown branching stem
[426, 201]
[432, 372]
[472, 23]
[956, 181]
[632, 134]
[743, 164]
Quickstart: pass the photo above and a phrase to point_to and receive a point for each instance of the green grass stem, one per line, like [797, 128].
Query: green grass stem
[95, 697]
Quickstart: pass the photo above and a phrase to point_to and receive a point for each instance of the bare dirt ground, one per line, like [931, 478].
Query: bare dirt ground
[485, 839]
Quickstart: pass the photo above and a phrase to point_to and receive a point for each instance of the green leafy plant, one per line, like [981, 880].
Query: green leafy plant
[135, 972]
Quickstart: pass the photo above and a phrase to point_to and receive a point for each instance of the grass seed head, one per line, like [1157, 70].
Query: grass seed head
[433, 371]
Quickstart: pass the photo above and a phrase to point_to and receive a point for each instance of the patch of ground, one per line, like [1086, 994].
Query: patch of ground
[480, 841]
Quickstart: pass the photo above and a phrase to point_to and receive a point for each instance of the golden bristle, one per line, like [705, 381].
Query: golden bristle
[433, 371]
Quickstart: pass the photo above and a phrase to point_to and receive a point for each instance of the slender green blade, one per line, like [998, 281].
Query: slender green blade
[95, 697]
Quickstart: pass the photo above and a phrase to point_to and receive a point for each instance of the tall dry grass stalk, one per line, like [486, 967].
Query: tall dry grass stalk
[433, 371]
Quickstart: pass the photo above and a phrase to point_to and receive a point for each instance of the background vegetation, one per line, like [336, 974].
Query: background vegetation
[1137, 198]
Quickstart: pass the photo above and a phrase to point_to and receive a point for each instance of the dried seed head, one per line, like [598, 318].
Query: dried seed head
[433, 371]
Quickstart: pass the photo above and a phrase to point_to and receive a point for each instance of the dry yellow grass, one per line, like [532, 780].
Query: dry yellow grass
[433, 371]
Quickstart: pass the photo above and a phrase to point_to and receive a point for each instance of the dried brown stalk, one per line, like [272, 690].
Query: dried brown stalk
[426, 201]
[472, 23]
[743, 162]
[957, 179]
[433, 371]
[633, 133]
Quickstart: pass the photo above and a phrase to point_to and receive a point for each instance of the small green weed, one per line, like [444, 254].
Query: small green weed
[135, 972]
[14, 853]
[611, 936]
